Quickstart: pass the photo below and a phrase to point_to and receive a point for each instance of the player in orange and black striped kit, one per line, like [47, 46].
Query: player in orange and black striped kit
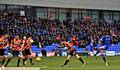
[3, 44]
[71, 52]
[15, 50]
[27, 50]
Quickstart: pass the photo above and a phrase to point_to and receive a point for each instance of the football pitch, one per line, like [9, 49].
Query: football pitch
[92, 63]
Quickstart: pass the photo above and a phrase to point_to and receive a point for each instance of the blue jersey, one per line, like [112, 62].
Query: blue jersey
[106, 40]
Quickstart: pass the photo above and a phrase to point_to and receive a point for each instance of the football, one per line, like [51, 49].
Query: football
[38, 59]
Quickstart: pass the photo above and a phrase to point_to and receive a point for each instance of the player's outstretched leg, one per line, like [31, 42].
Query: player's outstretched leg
[3, 59]
[67, 60]
[104, 58]
[8, 61]
[96, 53]
[81, 60]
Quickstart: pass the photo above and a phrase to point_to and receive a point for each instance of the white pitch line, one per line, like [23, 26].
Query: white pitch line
[22, 68]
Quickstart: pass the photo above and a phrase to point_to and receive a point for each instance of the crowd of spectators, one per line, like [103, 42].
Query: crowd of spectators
[47, 31]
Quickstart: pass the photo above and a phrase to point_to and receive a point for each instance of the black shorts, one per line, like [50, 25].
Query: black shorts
[26, 52]
[15, 53]
[72, 53]
[2, 52]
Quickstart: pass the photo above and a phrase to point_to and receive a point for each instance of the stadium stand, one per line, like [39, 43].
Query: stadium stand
[48, 31]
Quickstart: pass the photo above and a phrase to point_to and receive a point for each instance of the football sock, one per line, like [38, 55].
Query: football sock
[81, 60]
[66, 62]
[31, 60]
[18, 62]
[3, 61]
[24, 61]
[104, 59]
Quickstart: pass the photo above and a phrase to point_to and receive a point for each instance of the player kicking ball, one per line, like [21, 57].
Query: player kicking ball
[102, 52]
[72, 51]
[105, 43]
[27, 50]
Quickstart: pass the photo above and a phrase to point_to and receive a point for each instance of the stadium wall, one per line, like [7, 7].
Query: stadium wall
[87, 4]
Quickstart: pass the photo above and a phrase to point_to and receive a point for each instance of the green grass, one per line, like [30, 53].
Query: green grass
[92, 63]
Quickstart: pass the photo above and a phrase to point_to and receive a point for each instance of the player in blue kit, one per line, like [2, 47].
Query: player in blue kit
[106, 40]
[105, 43]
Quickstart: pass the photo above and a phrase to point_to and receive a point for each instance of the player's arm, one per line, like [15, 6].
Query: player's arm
[102, 38]
[17, 43]
[22, 46]
[6, 44]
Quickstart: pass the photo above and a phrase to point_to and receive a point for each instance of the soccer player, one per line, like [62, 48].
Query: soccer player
[72, 48]
[105, 43]
[27, 50]
[3, 44]
[15, 50]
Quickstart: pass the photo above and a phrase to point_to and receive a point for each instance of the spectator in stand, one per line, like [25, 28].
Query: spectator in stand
[50, 30]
